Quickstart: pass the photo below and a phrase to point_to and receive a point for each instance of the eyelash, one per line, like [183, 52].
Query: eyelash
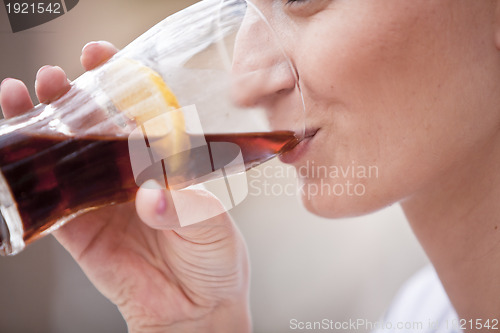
[295, 2]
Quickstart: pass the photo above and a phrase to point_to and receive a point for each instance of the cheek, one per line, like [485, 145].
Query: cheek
[355, 92]
[391, 95]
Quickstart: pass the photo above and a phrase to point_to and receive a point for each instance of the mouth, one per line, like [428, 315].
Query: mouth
[297, 152]
[310, 133]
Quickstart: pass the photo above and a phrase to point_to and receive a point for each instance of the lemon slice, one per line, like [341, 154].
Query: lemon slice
[141, 95]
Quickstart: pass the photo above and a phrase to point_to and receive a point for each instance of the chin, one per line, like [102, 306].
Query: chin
[334, 206]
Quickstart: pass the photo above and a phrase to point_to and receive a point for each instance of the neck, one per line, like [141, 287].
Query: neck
[457, 221]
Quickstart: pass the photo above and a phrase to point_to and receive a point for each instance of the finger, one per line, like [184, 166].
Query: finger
[96, 53]
[155, 207]
[96, 229]
[162, 209]
[14, 98]
[51, 83]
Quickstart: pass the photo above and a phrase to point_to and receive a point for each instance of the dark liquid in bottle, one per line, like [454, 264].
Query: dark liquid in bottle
[54, 176]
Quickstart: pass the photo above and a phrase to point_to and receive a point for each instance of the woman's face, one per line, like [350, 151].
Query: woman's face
[397, 93]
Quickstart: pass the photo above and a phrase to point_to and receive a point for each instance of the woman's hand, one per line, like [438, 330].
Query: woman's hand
[191, 279]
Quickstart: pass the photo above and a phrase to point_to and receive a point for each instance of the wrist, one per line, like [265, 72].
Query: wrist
[230, 317]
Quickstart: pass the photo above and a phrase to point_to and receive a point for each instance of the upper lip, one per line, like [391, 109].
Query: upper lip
[310, 132]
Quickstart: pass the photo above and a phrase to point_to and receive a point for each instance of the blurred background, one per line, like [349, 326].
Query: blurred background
[303, 267]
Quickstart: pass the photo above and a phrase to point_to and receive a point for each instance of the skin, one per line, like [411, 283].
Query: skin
[410, 87]
[161, 277]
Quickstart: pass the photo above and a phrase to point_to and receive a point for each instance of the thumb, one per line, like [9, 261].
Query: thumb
[171, 209]
[210, 255]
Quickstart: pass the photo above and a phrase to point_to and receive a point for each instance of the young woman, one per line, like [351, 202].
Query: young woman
[412, 87]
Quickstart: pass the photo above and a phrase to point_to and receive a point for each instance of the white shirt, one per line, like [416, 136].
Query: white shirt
[421, 306]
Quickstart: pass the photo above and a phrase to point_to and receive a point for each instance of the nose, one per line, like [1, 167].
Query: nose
[260, 70]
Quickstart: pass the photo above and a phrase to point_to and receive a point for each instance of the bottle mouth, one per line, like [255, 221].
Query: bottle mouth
[11, 226]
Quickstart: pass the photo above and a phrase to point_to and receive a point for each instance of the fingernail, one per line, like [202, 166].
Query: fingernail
[88, 44]
[43, 68]
[58, 68]
[3, 81]
[161, 203]
[152, 184]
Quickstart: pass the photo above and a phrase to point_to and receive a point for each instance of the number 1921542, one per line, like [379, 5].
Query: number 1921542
[34, 8]
[473, 324]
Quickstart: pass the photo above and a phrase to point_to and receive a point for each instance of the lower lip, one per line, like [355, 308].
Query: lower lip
[297, 152]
